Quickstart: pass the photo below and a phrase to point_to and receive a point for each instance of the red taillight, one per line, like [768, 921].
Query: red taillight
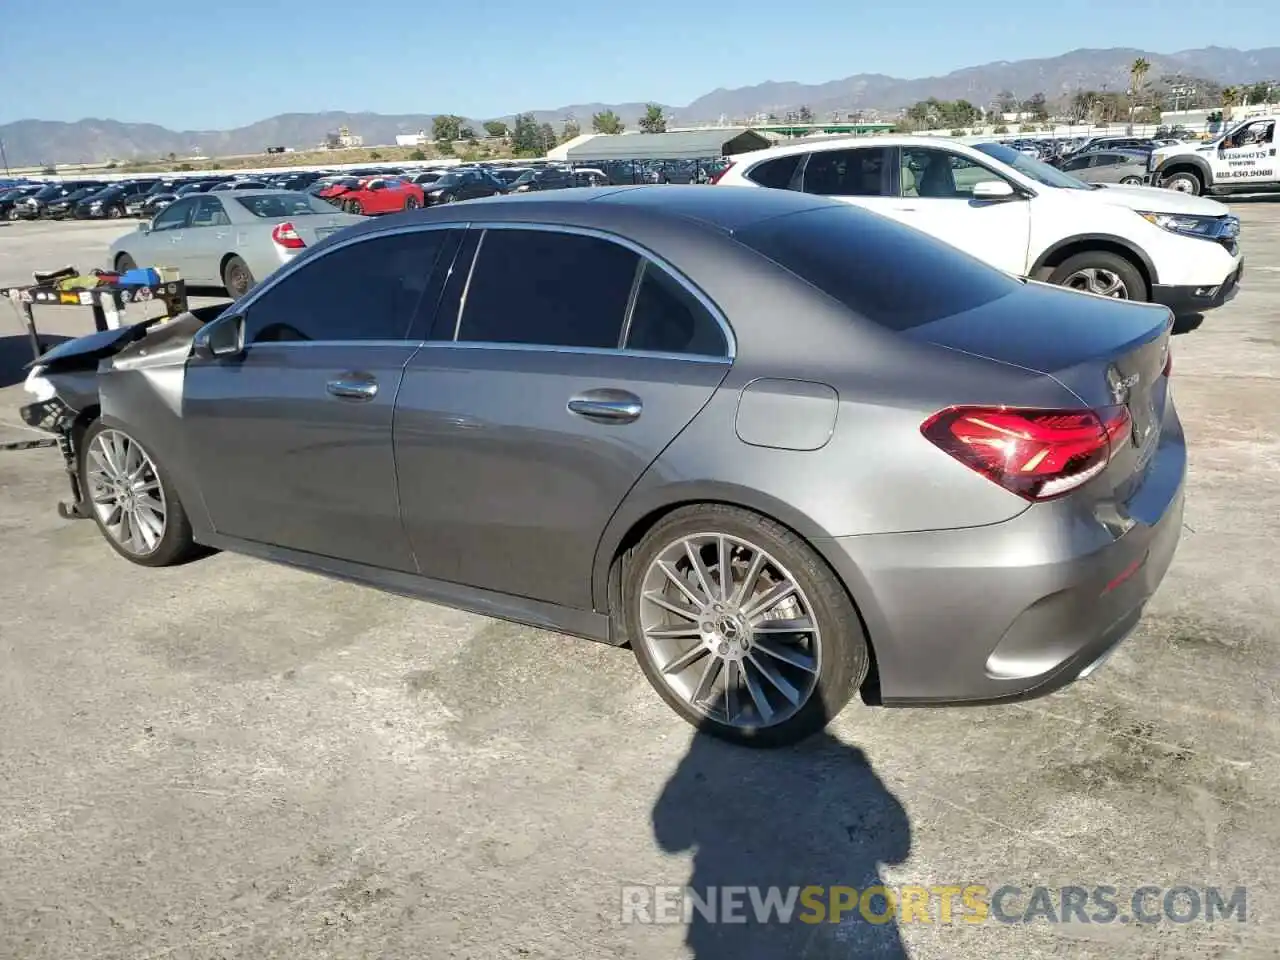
[716, 178]
[1037, 454]
[286, 236]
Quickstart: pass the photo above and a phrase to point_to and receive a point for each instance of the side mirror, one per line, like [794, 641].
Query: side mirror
[992, 190]
[222, 338]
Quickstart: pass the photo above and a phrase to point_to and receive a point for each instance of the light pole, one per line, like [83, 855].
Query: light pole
[4, 157]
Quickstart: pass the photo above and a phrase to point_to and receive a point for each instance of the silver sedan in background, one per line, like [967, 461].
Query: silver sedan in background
[230, 239]
[1126, 167]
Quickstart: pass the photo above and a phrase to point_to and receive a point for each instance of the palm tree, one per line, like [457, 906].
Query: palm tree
[1230, 97]
[1137, 75]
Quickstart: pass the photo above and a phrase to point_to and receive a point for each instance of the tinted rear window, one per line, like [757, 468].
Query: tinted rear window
[269, 205]
[892, 275]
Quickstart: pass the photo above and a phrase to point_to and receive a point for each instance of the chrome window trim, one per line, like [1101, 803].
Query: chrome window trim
[466, 285]
[589, 351]
[730, 341]
[642, 267]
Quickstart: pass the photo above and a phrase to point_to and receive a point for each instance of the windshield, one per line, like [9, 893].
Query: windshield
[284, 204]
[1036, 170]
[49, 192]
[448, 180]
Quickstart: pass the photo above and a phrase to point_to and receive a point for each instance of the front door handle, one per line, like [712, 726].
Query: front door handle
[353, 387]
[607, 405]
[905, 209]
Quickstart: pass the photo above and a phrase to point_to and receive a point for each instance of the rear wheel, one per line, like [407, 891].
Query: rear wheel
[131, 499]
[237, 278]
[449, 198]
[124, 262]
[1102, 273]
[1185, 181]
[740, 626]
[1131, 181]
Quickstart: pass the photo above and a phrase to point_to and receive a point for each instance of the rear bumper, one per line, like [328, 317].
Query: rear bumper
[1018, 609]
[1183, 300]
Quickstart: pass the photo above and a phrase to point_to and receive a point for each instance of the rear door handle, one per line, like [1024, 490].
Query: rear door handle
[353, 387]
[607, 405]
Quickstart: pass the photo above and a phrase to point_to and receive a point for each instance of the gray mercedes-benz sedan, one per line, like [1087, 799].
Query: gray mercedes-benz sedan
[230, 239]
[786, 449]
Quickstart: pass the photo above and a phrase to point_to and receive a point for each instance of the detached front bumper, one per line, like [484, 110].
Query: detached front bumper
[1185, 300]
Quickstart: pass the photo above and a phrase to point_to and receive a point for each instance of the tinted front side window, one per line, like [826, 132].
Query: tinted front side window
[874, 266]
[368, 290]
[862, 172]
[548, 288]
[776, 173]
[668, 319]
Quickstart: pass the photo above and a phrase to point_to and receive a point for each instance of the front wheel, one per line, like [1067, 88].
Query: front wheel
[1184, 182]
[354, 207]
[132, 501]
[124, 263]
[115, 213]
[411, 203]
[1101, 273]
[1131, 182]
[740, 626]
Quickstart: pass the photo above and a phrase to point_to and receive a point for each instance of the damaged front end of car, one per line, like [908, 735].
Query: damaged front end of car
[66, 384]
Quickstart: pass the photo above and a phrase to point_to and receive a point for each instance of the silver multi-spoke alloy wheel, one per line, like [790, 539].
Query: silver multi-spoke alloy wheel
[729, 630]
[126, 493]
[1103, 282]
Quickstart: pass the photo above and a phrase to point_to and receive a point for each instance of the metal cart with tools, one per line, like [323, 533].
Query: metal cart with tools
[108, 299]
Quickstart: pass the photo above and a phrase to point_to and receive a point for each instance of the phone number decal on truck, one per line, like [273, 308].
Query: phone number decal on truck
[1247, 173]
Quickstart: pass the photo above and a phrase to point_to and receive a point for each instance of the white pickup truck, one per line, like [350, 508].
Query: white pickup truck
[1242, 160]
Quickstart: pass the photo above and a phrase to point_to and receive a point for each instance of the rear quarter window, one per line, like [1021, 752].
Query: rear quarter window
[894, 276]
[776, 173]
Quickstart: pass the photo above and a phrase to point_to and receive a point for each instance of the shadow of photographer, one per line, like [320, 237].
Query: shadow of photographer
[777, 822]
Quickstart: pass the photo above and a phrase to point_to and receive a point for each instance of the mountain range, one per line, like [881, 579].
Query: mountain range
[30, 142]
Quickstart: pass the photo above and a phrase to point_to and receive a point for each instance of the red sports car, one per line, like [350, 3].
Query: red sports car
[376, 195]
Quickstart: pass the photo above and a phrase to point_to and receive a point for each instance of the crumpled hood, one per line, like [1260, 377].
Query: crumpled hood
[1160, 200]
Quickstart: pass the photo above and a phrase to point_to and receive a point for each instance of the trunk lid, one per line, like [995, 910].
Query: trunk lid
[1108, 353]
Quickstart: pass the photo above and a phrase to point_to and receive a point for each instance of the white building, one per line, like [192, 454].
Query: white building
[418, 139]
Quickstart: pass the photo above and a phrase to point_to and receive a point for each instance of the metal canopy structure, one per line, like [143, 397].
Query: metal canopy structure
[676, 145]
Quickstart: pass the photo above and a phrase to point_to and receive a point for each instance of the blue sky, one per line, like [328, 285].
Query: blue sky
[189, 65]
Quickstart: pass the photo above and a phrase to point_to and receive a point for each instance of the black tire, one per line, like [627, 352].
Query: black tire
[1131, 182]
[13, 214]
[176, 544]
[1184, 181]
[115, 213]
[237, 278]
[354, 206]
[411, 203]
[448, 198]
[124, 262]
[1135, 288]
[843, 649]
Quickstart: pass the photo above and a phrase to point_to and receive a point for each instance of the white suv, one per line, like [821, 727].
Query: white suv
[1021, 215]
